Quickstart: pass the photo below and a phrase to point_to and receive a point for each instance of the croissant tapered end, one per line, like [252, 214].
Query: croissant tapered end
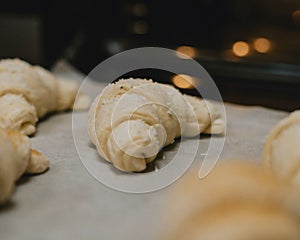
[281, 152]
[38, 163]
[14, 157]
[67, 91]
[82, 102]
[217, 126]
[17, 158]
[207, 117]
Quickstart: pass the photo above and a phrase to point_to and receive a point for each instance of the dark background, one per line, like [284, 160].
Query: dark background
[87, 32]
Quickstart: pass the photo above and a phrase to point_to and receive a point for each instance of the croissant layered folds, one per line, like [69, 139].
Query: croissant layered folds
[17, 158]
[281, 153]
[132, 119]
[236, 201]
[28, 93]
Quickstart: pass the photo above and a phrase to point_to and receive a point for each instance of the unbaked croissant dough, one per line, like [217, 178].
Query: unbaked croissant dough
[17, 158]
[132, 119]
[281, 153]
[28, 93]
[236, 201]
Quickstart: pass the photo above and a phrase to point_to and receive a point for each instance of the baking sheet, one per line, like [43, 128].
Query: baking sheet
[68, 203]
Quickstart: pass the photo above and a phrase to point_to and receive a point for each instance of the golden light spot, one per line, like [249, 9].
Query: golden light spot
[140, 27]
[186, 52]
[139, 9]
[241, 49]
[262, 45]
[185, 81]
[296, 16]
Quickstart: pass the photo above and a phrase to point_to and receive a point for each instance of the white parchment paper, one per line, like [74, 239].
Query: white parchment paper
[68, 203]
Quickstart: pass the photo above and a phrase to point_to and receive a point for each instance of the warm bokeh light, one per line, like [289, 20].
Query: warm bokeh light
[139, 9]
[140, 27]
[185, 81]
[296, 16]
[186, 52]
[262, 45]
[241, 49]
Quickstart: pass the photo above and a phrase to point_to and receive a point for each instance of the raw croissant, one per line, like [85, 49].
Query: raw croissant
[281, 153]
[17, 158]
[28, 93]
[236, 201]
[131, 120]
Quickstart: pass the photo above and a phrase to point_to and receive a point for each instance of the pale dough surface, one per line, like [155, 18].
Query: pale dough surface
[281, 154]
[132, 119]
[16, 159]
[28, 93]
[68, 203]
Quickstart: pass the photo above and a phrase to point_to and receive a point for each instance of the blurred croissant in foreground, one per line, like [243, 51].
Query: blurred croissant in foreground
[281, 153]
[28, 93]
[236, 201]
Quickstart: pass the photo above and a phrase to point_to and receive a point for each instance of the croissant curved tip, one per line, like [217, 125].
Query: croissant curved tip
[38, 163]
[82, 102]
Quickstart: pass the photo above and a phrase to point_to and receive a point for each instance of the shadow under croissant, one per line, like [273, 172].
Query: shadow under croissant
[160, 161]
[164, 157]
[8, 206]
[23, 180]
[167, 153]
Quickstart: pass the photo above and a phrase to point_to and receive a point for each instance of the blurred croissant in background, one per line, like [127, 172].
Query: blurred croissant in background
[236, 201]
[28, 93]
